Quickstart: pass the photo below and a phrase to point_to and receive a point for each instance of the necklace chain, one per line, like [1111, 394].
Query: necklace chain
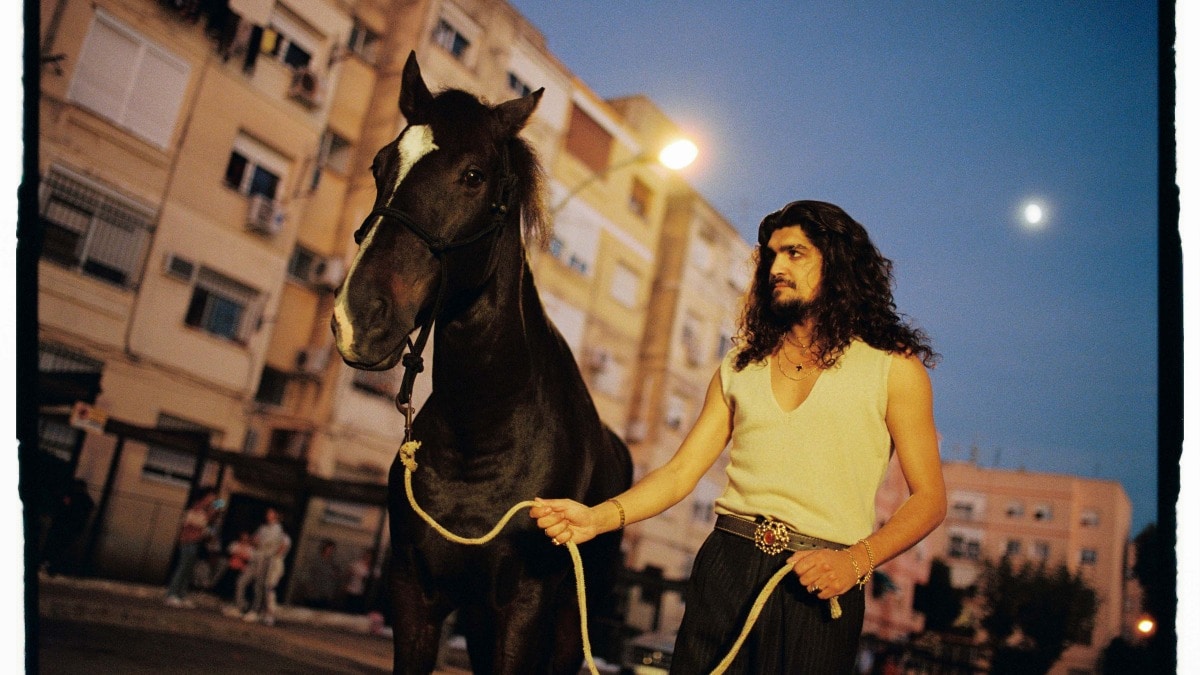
[804, 374]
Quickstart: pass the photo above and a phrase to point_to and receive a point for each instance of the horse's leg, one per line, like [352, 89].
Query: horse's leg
[536, 633]
[417, 623]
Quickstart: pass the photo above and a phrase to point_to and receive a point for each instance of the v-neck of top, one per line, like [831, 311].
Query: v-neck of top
[773, 364]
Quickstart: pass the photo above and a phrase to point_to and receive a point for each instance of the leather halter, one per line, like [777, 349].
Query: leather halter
[439, 247]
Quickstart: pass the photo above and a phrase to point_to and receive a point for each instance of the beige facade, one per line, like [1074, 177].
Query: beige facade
[198, 204]
[1053, 518]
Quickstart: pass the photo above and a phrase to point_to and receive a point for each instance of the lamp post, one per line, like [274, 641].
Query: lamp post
[675, 156]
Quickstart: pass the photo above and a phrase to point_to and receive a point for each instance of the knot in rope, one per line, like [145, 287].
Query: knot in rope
[408, 455]
[413, 362]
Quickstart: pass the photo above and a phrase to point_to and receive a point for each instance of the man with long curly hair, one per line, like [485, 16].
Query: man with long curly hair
[826, 380]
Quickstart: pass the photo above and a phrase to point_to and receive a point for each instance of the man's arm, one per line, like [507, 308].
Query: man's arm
[566, 520]
[910, 422]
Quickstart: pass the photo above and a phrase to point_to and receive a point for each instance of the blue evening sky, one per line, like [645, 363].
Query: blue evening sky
[932, 124]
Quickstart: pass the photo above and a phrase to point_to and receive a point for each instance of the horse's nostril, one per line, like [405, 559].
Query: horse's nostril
[377, 311]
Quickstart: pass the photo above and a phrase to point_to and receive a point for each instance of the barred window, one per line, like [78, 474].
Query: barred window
[87, 228]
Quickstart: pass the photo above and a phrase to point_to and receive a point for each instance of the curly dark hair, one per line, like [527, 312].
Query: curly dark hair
[854, 299]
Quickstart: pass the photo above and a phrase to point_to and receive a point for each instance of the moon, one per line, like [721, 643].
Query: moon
[1033, 215]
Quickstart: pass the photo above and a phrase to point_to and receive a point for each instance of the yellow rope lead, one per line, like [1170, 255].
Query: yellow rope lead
[408, 452]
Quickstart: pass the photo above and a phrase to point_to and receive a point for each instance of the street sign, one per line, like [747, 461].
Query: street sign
[87, 417]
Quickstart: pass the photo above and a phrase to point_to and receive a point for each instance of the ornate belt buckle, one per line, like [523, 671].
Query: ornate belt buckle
[771, 537]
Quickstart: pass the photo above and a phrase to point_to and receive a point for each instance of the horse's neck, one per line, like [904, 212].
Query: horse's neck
[494, 344]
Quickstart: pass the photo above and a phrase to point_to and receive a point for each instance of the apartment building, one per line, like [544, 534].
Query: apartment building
[203, 167]
[180, 150]
[1041, 517]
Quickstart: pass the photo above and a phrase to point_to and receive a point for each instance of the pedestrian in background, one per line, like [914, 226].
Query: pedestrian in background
[271, 545]
[193, 534]
[356, 583]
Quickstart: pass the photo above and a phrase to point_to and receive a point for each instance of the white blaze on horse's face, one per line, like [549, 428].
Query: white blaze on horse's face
[413, 144]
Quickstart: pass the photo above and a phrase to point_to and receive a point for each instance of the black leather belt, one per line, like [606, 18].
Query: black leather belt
[772, 536]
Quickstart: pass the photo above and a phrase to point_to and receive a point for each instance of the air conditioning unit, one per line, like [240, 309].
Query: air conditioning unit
[326, 273]
[265, 216]
[312, 359]
[306, 87]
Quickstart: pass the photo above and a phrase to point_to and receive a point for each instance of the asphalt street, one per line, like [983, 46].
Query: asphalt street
[97, 626]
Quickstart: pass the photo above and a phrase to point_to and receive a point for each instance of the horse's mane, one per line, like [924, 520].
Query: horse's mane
[460, 109]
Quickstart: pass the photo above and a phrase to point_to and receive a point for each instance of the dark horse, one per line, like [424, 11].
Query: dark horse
[509, 417]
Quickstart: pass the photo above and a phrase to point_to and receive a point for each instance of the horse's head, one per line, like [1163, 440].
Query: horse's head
[446, 188]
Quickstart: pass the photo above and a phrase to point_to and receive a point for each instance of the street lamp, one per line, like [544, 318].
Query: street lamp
[675, 155]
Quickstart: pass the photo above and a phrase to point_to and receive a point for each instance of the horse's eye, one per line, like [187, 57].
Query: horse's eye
[472, 177]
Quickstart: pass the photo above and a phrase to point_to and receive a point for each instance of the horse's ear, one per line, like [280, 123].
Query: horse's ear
[513, 114]
[414, 95]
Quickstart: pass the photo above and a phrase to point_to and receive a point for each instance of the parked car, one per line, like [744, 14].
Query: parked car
[648, 654]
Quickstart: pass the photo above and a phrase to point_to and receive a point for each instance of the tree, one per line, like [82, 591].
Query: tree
[1154, 570]
[940, 602]
[1033, 614]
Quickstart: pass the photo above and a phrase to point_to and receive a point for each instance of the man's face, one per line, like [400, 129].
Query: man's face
[796, 270]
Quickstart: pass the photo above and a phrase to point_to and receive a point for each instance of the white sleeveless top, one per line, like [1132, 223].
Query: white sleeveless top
[816, 468]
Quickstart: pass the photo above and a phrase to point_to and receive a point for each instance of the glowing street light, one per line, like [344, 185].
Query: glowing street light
[678, 154]
[675, 155]
[1146, 626]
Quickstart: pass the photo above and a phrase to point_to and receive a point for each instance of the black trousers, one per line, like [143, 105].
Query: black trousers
[794, 634]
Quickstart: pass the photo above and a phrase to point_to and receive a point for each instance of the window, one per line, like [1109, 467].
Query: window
[588, 141]
[382, 383]
[624, 287]
[271, 386]
[222, 306]
[1013, 547]
[610, 377]
[1041, 550]
[1089, 518]
[254, 169]
[289, 444]
[676, 409]
[345, 514]
[301, 264]
[165, 464]
[93, 230]
[690, 337]
[963, 510]
[129, 80]
[289, 41]
[363, 41]
[448, 38]
[702, 253]
[1014, 510]
[517, 86]
[724, 343]
[577, 237]
[334, 153]
[965, 544]
[639, 198]
[1088, 556]
[967, 506]
[1043, 512]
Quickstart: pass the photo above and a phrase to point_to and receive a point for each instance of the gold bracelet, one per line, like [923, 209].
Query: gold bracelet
[857, 574]
[620, 510]
[870, 559]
